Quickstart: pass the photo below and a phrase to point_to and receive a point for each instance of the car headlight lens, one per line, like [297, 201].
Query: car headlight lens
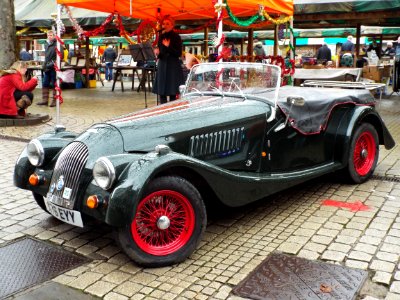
[35, 152]
[104, 173]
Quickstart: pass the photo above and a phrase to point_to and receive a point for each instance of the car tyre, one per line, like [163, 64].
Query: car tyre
[167, 225]
[364, 153]
[40, 201]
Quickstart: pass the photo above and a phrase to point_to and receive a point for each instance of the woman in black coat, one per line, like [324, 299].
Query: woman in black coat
[169, 69]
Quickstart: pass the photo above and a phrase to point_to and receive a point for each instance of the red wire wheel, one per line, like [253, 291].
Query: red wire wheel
[364, 153]
[164, 223]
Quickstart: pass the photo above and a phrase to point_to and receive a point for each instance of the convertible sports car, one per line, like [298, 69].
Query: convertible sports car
[235, 136]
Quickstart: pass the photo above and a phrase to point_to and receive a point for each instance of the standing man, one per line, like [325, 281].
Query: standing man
[389, 51]
[109, 57]
[49, 72]
[324, 54]
[347, 53]
[259, 51]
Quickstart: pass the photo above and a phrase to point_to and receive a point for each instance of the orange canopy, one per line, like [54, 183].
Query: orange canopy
[180, 9]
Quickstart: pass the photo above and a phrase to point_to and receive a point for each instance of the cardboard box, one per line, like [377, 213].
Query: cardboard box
[386, 71]
[373, 72]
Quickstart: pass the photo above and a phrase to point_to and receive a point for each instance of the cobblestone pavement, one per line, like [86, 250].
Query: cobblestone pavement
[235, 242]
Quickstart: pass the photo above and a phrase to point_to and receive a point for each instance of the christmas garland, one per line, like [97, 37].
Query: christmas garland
[262, 14]
[240, 22]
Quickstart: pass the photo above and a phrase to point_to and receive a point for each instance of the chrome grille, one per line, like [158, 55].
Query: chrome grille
[216, 142]
[69, 167]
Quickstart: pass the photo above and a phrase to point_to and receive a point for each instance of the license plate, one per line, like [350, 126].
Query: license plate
[66, 215]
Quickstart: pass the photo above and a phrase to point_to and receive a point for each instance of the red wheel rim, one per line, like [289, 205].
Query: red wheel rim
[164, 222]
[364, 153]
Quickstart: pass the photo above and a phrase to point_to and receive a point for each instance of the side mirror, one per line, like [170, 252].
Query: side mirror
[296, 100]
[182, 89]
[292, 101]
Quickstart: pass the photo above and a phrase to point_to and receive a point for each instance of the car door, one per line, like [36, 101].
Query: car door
[288, 150]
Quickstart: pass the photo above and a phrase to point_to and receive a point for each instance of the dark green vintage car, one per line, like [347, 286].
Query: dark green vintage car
[234, 137]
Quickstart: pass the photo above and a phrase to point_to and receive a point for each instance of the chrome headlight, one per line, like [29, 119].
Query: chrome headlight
[104, 173]
[35, 152]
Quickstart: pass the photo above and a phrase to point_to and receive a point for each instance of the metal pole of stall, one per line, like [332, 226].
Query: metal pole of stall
[58, 61]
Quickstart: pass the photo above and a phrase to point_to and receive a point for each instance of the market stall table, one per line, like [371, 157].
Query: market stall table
[147, 75]
[31, 69]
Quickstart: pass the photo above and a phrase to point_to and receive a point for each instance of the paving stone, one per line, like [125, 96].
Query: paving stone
[321, 239]
[390, 248]
[105, 268]
[128, 288]
[345, 239]
[84, 280]
[356, 264]
[395, 287]
[333, 255]
[339, 247]
[392, 296]
[115, 296]
[358, 255]
[291, 248]
[366, 248]
[370, 240]
[381, 265]
[100, 288]
[382, 277]
[311, 255]
[351, 232]
[375, 233]
[391, 257]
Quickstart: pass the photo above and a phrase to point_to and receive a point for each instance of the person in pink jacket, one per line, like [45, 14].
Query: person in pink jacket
[15, 92]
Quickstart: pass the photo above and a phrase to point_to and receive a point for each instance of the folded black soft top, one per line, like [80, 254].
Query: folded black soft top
[319, 102]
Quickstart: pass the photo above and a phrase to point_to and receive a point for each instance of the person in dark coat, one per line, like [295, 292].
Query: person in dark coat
[374, 47]
[49, 72]
[324, 53]
[169, 70]
[25, 55]
[389, 51]
[108, 58]
[347, 53]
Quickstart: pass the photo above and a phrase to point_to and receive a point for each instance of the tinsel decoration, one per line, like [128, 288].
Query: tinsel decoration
[99, 30]
[225, 54]
[82, 34]
[60, 25]
[279, 20]
[78, 29]
[146, 32]
[218, 41]
[22, 31]
[122, 32]
[238, 21]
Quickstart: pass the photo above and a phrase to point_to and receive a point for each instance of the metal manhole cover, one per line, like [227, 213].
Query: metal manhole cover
[289, 277]
[28, 262]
